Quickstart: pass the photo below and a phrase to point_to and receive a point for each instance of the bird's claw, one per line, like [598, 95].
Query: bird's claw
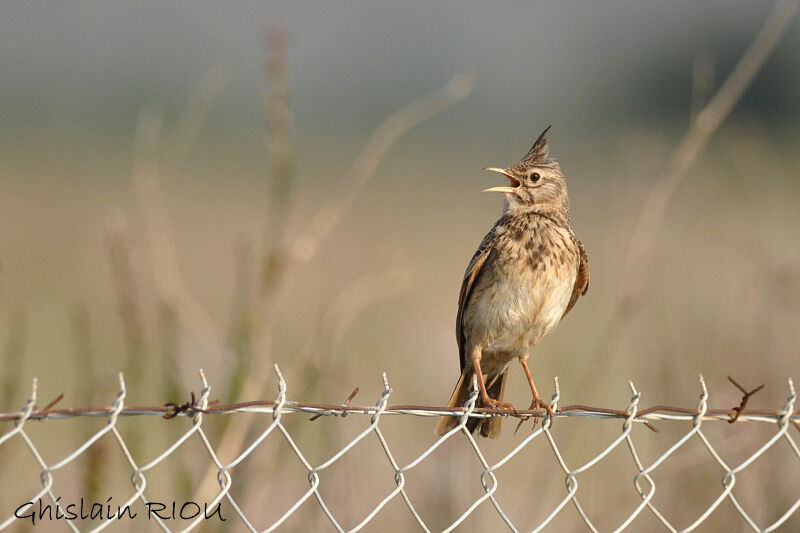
[497, 404]
[536, 405]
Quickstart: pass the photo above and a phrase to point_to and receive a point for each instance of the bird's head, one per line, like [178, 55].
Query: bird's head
[536, 182]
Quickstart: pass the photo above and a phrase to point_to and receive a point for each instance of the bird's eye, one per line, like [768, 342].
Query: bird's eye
[535, 177]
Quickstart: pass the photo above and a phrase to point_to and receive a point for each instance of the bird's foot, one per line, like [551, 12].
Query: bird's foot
[537, 404]
[497, 404]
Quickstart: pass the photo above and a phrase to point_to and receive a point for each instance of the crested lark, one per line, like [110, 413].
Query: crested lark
[527, 274]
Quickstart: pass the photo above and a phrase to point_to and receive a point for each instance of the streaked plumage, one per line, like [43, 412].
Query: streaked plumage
[527, 273]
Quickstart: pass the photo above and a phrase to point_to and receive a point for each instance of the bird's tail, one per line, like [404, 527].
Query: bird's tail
[489, 427]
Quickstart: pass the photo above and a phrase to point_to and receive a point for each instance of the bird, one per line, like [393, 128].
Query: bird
[527, 274]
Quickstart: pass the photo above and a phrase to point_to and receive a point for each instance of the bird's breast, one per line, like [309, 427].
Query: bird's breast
[524, 295]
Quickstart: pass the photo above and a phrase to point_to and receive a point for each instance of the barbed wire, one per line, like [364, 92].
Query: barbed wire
[197, 408]
[191, 408]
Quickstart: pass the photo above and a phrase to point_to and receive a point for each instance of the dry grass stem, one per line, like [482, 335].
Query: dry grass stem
[147, 181]
[129, 292]
[703, 76]
[280, 146]
[688, 151]
[363, 293]
[166, 273]
[351, 302]
[185, 132]
[13, 357]
[95, 463]
[303, 247]
[240, 329]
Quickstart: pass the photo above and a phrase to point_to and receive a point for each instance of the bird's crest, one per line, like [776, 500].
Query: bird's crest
[538, 152]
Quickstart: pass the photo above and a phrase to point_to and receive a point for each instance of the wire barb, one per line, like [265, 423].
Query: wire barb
[53, 403]
[346, 403]
[746, 395]
[188, 408]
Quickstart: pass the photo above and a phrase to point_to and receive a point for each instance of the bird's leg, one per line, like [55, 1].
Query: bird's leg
[488, 402]
[536, 402]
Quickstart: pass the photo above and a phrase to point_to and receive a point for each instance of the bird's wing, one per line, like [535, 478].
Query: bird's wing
[581, 279]
[483, 256]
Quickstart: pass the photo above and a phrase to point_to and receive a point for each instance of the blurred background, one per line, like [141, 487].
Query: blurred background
[190, 97]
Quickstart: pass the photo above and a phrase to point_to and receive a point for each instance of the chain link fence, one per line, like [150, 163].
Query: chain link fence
[314, 487]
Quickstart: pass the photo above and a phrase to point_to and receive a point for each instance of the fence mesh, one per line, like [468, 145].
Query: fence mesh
[50, 504]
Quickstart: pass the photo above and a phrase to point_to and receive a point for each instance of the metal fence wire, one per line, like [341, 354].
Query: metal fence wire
[52, 505]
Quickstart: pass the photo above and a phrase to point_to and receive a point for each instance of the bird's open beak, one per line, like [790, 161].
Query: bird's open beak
[514, 181]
